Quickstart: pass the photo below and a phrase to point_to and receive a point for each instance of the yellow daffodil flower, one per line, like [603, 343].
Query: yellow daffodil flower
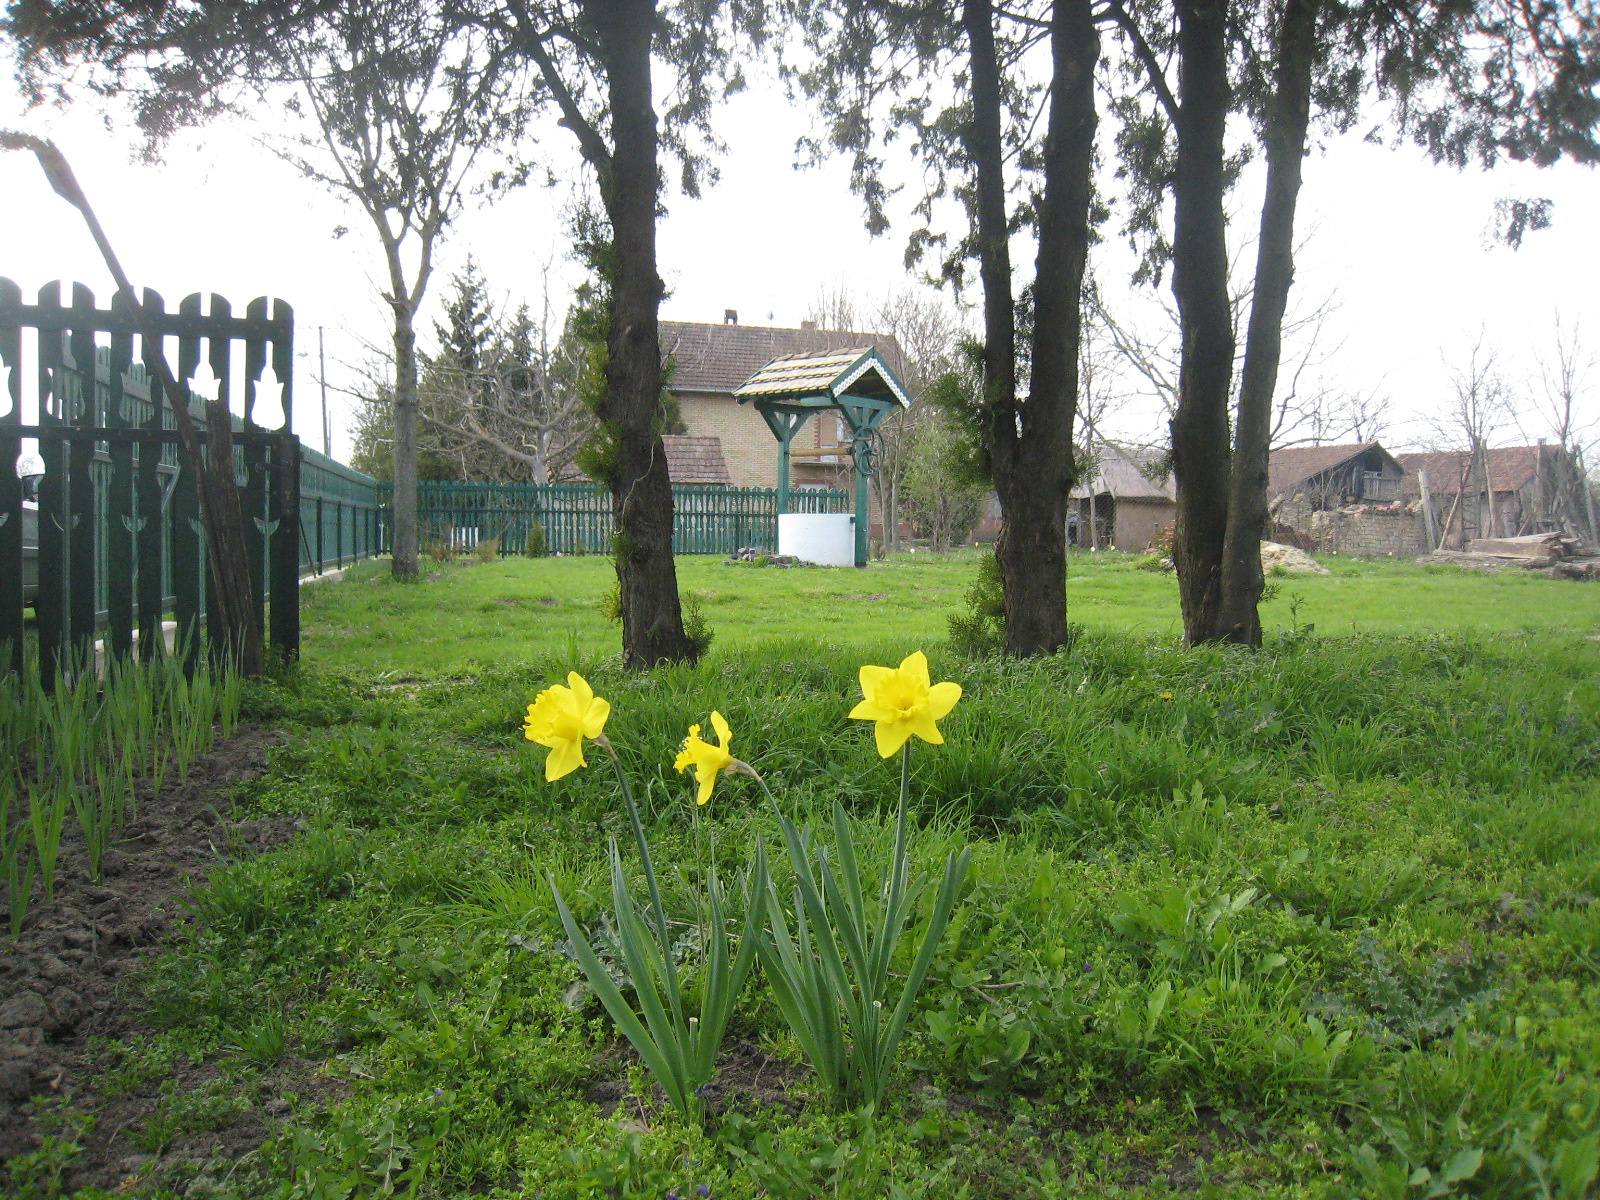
[1166, 695]
[560, 718]
[902, 703]
[707, 760]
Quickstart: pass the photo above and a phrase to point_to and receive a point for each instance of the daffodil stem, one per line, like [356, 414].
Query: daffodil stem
[905, 778]
[744, 768]
[700, 868]
[643, 843]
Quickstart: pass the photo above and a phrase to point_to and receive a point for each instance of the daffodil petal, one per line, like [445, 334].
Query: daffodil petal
[869, 710]
[708, 780]
[872, 679]
[891, 736]
[595, 715]
[915, 669]
[565, 758]
[724, 734]
[942, 698]
[582, 693]
[921, 724]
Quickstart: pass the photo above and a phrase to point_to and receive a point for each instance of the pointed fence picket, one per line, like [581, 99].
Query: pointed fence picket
[119, 541]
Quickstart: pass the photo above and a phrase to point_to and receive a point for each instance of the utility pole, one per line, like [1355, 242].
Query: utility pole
[322, 378]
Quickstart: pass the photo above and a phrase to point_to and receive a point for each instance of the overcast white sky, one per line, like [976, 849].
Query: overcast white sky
[1400, 244]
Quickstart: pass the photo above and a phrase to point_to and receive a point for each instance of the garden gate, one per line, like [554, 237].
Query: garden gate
[119, 539]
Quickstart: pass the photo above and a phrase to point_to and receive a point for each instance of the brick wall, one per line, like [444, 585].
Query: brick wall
[751, 451]
[748, 446]
[1375, 533]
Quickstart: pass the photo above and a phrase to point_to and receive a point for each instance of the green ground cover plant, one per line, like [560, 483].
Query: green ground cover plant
[78, 747]
[519, 608]
[1318, 920]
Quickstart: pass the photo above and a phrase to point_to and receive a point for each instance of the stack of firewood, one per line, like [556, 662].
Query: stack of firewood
[1555, 554]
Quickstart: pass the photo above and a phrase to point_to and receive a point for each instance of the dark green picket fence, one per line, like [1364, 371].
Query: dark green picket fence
[114, 545]
[340, 518]
[575, 518]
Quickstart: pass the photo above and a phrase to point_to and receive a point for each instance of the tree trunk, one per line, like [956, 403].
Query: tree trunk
[641, 490]
[885, 508]
[405, 564]
[1033, 466]
[985, 150]
[1200, 441]
[1239, 618]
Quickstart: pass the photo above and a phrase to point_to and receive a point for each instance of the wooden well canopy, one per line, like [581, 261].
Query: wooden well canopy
[857, 384]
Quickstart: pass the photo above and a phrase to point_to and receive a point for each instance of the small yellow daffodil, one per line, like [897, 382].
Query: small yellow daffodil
[560, 718]
[902, 703]
[708, 760]
[1166, 695]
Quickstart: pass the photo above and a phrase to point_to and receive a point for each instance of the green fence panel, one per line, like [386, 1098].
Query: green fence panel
[575, 518]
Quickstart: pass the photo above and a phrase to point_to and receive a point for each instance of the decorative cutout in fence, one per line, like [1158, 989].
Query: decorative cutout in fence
[576, 517]
[119, 539]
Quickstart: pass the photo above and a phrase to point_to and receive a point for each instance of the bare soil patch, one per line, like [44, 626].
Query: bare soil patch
[69, 983]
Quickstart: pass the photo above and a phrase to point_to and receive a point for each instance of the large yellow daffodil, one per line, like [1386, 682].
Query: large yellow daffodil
[902, 703]
[560, 718]
[708, 760]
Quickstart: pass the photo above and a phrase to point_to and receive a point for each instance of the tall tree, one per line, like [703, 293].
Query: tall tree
[1468, 82]
[1288, 118]
[500, 397]
[403, 108]
[597, 60]
[984, 147]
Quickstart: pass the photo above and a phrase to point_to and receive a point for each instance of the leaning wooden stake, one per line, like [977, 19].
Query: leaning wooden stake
[220, 511]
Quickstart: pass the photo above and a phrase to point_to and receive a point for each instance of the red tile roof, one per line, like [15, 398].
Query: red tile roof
[695, 459]
[1299, 463]
[718, 358]
[1510, 469]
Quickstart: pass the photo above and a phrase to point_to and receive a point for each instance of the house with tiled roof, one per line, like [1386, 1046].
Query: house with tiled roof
[1346, 499]
[706, 362]
[1125, 502]
[1505, 491]
[1306, 479]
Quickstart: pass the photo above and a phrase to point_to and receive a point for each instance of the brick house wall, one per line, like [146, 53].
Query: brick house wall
[748, 446]
[751, 451]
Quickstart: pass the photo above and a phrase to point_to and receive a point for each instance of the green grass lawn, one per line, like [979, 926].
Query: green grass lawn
[519, 608]
[1314, 921]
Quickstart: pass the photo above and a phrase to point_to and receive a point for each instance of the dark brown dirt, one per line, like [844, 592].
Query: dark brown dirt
[747, 1077]
[69, 984]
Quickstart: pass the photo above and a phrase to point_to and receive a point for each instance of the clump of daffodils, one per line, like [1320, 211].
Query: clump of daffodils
[839, 1017]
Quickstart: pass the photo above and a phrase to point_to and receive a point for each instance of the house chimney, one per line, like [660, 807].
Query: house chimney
[730, 316]
[808, 324]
